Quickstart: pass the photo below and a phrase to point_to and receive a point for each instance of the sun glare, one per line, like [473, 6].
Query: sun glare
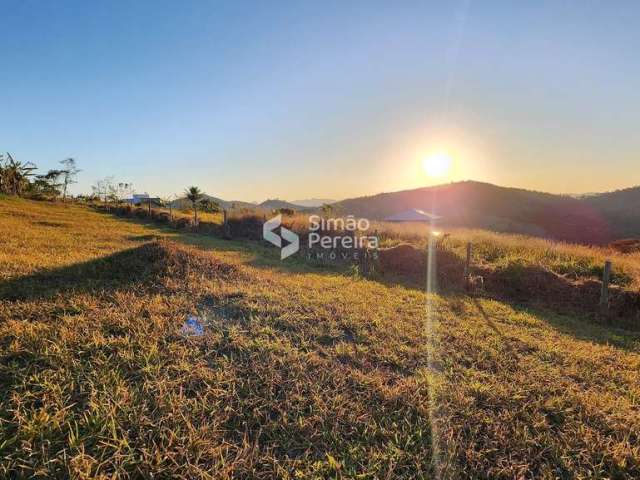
[437, 164]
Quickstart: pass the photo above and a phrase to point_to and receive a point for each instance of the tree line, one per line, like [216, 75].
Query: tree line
[19, 178]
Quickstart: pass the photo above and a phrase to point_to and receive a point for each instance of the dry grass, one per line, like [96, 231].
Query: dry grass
[303, 372]
[499, 250]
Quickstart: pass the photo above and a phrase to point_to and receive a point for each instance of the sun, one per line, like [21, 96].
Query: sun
[437, 164]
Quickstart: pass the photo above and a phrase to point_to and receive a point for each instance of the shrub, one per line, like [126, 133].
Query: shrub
[289, 212]
[161, 217]
[183, 222]
[140, 212]
[249, 226]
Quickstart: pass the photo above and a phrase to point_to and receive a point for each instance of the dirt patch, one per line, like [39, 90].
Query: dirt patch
[405, 259]
[520, 282]
[538, 285]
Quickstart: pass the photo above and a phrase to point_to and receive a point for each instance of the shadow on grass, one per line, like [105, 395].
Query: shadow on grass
[568, 324]
[124, 269]
[589, 330]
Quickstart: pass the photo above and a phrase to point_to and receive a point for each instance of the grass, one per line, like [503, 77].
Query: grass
[500, 250]
[304, 372]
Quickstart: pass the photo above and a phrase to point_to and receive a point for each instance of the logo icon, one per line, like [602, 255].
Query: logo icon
[270, 236]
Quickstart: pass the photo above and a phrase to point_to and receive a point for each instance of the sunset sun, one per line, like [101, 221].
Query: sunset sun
[437, 165]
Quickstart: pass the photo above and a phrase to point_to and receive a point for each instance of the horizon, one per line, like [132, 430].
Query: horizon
[250, 101]
[514, 187]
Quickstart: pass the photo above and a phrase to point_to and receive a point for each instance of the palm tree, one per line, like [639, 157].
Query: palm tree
[194, 195]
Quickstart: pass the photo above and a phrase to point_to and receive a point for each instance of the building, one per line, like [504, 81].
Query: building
[143, 199]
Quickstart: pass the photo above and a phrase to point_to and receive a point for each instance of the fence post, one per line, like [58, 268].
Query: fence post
[604, 294]
[225, 224]
[467, 266]
[365, 262]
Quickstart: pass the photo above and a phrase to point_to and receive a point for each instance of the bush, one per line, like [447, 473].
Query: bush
[183, 222]
[209, 227]
[249, 226]
[140, 212]
[161, 217]
[123, 210]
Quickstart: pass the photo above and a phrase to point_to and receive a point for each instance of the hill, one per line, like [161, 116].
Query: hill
[276, 204]
[184, 203]
[314, 202]
[302, 372]
[596, 219]
[620, 208]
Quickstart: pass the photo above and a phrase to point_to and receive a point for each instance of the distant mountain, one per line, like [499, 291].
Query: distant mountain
[313, 202]
[621, 209]
[276, 204]
[225, 204]
[597, 219]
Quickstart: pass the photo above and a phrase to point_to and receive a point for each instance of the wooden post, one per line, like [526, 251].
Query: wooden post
[365, 262]
[225, 224]
[467, 266]
[604, 294]
[431, 264]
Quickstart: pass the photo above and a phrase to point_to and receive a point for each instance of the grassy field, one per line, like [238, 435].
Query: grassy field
[303, 372]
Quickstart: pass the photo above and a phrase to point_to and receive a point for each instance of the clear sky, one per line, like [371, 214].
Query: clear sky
[324, 99]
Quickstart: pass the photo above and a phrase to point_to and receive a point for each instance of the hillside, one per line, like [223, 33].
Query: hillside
[621, 209]
[184, 203]
[598, 218]
[276, 204]
[303, 371]
[313, 202]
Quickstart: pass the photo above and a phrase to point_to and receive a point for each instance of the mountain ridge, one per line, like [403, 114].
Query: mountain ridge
[598, 218]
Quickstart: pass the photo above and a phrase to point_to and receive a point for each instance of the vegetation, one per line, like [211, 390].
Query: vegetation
[303, 372]
[209, 205]
[499, 250]
[14, 175]
[18, 178]
[69, 173]
[194, 195]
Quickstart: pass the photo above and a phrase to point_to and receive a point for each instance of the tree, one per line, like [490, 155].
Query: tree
[327, 209]
[14, 175]
[168, 202]
[125, 190]
[286, 211]
[194, 195]
[48, 184]
[105, 189]
[208, 205]
[68, 175]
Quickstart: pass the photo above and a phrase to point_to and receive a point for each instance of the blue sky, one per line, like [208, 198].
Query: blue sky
[326, 99]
